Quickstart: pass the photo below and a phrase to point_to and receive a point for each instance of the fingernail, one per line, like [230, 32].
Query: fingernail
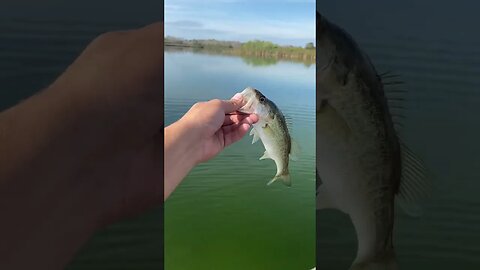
[237, 96]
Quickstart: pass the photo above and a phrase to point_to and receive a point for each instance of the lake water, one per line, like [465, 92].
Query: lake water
[224, 216]
[434, 47]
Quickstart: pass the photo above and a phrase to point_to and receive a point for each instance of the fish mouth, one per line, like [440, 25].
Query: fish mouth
[247, 107]
[249, 96]
[254, 103]
[245, 110]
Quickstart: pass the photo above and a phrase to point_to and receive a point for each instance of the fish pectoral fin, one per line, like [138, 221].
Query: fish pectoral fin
[265, 155]
[342, 73]
[255, 135]
[294, 150]
[317, 178]
[414, 184]
[284, 177]
[330, 120]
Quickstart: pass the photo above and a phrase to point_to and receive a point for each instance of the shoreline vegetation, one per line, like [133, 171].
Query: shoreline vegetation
[253, 48]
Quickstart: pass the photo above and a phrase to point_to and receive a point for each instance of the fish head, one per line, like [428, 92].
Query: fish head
[325, 43]
[338, 58]
[257, 103]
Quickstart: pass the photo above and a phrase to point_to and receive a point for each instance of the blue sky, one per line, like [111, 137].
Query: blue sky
[287, 22]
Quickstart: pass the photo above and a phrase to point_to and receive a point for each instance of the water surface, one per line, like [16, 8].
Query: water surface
[224, 216]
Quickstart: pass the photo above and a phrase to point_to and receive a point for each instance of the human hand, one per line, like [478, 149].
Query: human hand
[217, 124]
[117, 83]
[203, 132]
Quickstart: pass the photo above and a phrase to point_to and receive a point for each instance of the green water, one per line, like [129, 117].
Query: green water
[224, 216]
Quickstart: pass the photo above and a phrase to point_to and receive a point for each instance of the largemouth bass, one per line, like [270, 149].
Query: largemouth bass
[361, 164]
[272, 130]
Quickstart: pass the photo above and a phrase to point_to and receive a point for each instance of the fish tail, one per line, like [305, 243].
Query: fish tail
[285, 177]
[387, 262]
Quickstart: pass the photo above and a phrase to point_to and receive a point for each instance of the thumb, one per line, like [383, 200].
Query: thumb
[235, 103]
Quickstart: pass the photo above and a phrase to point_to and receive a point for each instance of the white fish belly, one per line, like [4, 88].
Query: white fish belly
[344, 181]
[271, 147]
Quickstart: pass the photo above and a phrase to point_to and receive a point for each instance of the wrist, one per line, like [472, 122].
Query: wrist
[181, 142]
[188, 138]
[181, 154]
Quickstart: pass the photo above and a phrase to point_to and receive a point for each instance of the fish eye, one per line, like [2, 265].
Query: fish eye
[262, 99]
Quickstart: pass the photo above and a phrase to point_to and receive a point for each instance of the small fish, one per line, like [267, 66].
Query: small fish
[362, 166]
[272, 130]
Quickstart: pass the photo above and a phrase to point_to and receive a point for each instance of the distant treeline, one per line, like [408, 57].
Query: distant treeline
[256, 48]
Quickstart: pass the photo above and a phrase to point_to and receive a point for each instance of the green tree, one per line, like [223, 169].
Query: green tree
[309, 46]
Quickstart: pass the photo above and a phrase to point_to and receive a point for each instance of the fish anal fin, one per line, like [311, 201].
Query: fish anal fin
[265, 156]
[324, 200]
[255, 135]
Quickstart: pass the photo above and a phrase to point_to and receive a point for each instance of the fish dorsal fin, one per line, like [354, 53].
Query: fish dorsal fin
[395, 93]
[294, 150]
[288, 121]
[265, 155]
[255, 135]
[415, 183]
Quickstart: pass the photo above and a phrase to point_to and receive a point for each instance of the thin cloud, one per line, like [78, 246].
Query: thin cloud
[228, 19]
[185, 24]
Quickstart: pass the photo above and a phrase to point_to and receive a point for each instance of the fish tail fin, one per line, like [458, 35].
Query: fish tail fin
[387, 262]
[284, 177]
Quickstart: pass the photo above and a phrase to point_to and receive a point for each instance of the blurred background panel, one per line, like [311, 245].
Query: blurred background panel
[434, 47]
[38, 40]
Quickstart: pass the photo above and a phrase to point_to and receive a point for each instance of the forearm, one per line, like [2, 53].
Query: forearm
[180, 155]
[45, 232]
[46, 216]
